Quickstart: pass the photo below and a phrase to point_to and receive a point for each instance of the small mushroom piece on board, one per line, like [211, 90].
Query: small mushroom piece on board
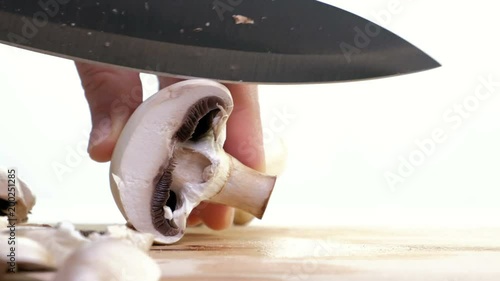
[3, 223]
[142, 241]
[107, 260]
[170, 157]
[60, 241]
[25, 254]
[63, 239]
[13, 187]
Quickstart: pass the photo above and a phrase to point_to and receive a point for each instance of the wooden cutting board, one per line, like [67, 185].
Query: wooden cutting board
[368, 254]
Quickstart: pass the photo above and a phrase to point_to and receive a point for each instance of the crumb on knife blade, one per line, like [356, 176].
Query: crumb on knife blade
[239, 19]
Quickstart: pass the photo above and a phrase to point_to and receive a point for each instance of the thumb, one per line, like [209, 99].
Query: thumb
[113, 95]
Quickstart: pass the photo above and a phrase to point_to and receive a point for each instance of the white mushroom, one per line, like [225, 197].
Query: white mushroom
[47, 248]
[16, 199]
[169, 157]
[3, 222]
[142, 241]
[60, 241]
[22, 253]
[108, 260]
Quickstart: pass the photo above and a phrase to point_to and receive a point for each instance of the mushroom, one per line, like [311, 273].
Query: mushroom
[108, 260]
[170, 157]
[60, 241]
[3, 222]
[24, 254]
[41, 247]
[16, 199]
[142, 241]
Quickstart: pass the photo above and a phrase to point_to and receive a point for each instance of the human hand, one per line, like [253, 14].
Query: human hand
[113, 94]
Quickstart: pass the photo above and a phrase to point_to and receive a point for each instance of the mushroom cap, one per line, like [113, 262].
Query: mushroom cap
[25, 199]
[146, 146]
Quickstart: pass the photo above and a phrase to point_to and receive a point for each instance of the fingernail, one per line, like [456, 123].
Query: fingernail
[100, 132]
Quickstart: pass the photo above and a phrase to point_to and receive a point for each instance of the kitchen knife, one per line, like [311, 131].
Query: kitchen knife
[256, 41]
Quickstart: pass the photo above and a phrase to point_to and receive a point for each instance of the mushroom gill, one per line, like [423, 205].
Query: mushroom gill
[197, 122]
[199, 119]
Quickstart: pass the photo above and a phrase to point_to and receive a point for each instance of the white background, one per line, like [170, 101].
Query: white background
[341, 138]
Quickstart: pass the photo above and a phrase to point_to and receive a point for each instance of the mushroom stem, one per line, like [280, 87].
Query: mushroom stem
[245, 189]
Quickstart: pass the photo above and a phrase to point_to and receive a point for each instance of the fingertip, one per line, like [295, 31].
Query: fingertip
[112, 94]
[194, 220]
[103, 151]
[244, 132]
[104, 136]
[217, 217]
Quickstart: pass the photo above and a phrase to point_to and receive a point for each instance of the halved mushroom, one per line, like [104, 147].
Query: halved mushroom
[170, 157]
[16, 199]
[108, 259]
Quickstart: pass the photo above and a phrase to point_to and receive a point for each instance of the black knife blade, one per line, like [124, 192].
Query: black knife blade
[261, 41]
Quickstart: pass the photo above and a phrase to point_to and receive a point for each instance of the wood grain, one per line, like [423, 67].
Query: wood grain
[256, 253]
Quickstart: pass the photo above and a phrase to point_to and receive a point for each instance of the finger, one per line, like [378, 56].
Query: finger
[244, 128]
[216, 216]
[167, 81]
[194, 220]
[113, 94]
[244, 134]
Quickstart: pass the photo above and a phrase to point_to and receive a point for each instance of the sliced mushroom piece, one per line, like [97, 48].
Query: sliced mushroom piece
[63, 239]
[60, 241]
[49, 248]
[3, 222]
[25, 254]
[16, 199]
[170, 157]
[142, 241]
[108, 259]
